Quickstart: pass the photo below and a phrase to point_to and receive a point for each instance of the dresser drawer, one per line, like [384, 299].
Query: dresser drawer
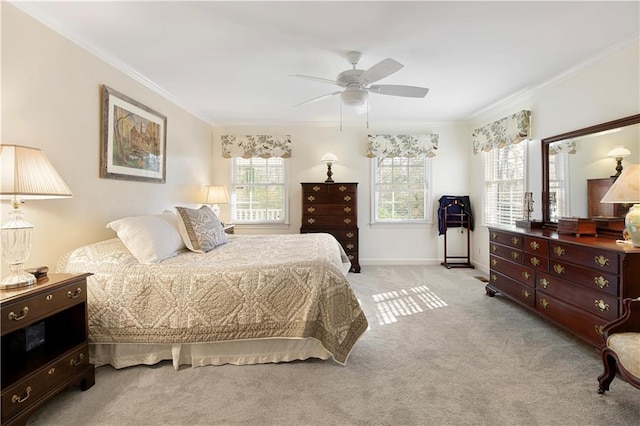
[584, 276]
[511, 253]
[581, 323]
[336, 188]
[594, 302]
[345, 199]
[513, 289]
[331, 221]
[506, 238]
[535, 261]
[518, 272]
[28, 311]
[329, 209]
[536, 245]
[601, 260]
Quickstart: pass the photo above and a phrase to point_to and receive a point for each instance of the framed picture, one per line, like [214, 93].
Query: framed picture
[133, 139]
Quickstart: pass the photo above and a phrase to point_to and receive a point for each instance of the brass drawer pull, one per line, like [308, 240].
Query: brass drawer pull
[350, 246]
[347, 198]
[515, 255]
[494, 262]
[20, 400]
[534, 245]
[559, 251]
[73, 362]
[526, 294]
[351, 257]
[601, 282]
[17, 317]
[545, 303]
[515, 240]
[535, 261]
[494, 277]
[601, 305]
[350, 234]
[311, 220]
[311, 198]
[601, 260]
[347, 220]
[316, 188]
[526, 275]
[347, 209]
[494, 235]
[600, 329]
[544, 282]
[558, 268]
[311, 209]
[74, 294]
[494, 248]
[51, 371]
[342, 188]
[49, 297]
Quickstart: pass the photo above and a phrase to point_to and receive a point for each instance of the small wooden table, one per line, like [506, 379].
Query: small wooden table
[44, 343]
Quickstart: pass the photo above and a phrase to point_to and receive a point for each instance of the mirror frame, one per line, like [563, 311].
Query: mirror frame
[609, 125]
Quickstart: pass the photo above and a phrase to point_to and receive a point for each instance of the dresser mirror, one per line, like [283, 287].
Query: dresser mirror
[576, 169]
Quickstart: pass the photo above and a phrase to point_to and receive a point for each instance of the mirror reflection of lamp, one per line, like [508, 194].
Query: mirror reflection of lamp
[618, 153]
[329, 158]
[25, 174]
[626, 190]
[214, 195]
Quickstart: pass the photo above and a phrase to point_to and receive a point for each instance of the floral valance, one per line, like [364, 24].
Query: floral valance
[504, 132]
[562, 147]
[263, 146]
[411, 146]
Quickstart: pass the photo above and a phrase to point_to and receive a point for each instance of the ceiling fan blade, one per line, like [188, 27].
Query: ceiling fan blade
[320, 79]
[319, 98]
[380, 70]
[397, 90]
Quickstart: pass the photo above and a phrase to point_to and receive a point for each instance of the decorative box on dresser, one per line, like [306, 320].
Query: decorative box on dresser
[44, 343]
[577, 283]
[332, 208]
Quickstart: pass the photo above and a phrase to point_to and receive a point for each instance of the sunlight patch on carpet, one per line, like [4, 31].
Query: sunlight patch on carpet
[399, 303]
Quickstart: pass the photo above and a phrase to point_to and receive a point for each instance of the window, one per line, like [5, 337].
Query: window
[504, 184]
[400, 189]
[558, 186]
[258, 190]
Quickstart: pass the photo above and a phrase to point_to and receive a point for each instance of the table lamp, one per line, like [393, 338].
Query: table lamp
[618, 153]
[329, 159]
[214, 195]
[25, 174]
[626, 190]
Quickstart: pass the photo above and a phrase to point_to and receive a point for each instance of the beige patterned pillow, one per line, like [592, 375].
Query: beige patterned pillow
[200, 229]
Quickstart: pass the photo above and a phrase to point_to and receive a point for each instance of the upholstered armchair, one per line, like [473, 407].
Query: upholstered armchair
[621, 352]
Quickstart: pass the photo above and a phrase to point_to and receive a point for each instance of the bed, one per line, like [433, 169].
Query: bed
[254, 299]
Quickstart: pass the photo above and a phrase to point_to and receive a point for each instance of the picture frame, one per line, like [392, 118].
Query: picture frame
[133, 139]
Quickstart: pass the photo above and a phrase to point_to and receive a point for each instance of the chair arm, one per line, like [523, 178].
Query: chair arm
[628, 322]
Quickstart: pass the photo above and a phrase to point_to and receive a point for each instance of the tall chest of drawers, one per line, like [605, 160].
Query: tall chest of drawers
[333, 208]
[577, 283]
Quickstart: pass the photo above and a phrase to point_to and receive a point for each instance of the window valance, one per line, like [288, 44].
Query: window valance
[504, 132]
[568, 147]
[411, 146]
[250, 146]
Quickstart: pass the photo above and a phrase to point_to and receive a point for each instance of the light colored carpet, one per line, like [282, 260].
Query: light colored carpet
[438, 352]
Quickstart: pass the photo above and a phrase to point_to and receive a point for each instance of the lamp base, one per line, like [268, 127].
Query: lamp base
[17, 278]
[632, 224]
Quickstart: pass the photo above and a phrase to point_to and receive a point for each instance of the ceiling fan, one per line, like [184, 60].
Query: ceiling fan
[358, 83]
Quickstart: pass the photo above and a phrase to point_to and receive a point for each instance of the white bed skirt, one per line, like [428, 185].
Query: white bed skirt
[245, 352]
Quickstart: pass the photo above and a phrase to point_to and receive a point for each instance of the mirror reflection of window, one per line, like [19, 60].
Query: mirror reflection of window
[559, 179]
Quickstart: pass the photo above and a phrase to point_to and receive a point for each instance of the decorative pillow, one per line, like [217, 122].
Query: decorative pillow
[201, 229]
[149, 238]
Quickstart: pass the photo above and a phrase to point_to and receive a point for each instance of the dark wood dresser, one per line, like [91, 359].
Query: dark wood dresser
[44, 343]
[333, 208]
[577, 283]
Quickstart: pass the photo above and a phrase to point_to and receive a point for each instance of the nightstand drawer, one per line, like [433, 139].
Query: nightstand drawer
[68, 365]
[19, 314]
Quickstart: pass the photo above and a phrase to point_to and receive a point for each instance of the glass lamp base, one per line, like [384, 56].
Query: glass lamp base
[17, 278]
[632, 224]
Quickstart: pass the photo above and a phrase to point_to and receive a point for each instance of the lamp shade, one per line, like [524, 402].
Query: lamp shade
[215, 194]
[27, 174]
[626, 188]
[329, 158]
[619, 151]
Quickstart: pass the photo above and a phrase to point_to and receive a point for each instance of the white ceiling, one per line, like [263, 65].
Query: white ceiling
[230, 62]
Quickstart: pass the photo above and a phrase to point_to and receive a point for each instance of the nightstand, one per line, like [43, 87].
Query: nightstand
[44, 343]
[229, 229]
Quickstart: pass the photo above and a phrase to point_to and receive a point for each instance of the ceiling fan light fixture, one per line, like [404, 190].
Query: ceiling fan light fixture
[354, 97]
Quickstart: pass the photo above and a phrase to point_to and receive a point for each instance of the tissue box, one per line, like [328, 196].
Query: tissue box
[576, 226]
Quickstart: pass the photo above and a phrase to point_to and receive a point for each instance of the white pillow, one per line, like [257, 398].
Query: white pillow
[149, 238]
[201, 229]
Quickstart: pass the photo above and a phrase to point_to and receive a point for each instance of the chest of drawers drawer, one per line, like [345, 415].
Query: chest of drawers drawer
[518, 272]
[510, 287]
[536, 245]
[597, 259]
[535, 261]
[584, 276]
[506, 238]
[30, 310]
[506, 252]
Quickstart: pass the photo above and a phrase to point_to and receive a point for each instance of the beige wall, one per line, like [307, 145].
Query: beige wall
[51, 100]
